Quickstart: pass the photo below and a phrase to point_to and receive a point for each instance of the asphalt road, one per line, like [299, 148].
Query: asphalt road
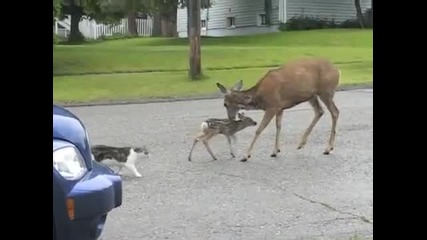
[301, 194]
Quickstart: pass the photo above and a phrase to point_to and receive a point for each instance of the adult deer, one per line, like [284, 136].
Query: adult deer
[296, 82]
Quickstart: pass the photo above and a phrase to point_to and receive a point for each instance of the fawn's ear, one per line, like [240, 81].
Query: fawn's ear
[222, 88]
[240, 116]
[238, 86]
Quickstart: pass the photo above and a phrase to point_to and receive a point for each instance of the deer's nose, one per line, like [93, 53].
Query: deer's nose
[255, 123]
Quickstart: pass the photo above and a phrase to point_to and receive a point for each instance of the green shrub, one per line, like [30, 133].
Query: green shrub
[307, 23]
[303, 22]
[116, 36]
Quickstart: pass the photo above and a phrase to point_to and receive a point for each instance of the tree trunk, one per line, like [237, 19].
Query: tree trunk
[195, 53]
[268, 9]
[174, 19]
[157, 25]
[168, 22]
[188, 19]
[75, 34]
[359, 13]
[132, 29]
[165, 28]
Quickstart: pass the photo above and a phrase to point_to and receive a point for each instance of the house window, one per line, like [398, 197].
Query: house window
[262, 19]
[203, 24]
[231, 22]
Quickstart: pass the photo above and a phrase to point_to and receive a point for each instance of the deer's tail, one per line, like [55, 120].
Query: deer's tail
[204, 126]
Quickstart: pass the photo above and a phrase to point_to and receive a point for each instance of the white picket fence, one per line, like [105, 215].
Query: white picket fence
[92, 30]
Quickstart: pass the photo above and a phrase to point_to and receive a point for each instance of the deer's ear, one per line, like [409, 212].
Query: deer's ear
[222, 88]
[238, 86]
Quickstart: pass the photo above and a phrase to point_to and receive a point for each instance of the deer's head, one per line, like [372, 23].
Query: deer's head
[234, 99]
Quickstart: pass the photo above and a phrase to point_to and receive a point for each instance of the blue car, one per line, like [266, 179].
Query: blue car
[84, 191]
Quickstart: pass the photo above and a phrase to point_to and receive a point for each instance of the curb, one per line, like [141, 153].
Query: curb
[347, 87]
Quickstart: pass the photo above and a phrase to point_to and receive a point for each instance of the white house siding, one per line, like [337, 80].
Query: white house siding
[245, 13]
[340, 10]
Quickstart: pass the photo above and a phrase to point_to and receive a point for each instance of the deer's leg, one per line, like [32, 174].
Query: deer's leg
[318, 112]
[229, 145]
[196, 140]
[329, 102]
[268, 115]
[205, 142]
[279, 116]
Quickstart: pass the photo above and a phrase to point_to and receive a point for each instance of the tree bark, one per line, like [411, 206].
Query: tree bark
[132, 29]
[76, 14]
[359, 13]
[268, 9]
[188, 19]
[157, 25]
[165, 26]
[195, 53]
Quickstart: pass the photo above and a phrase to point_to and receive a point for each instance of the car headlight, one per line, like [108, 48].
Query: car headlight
[69, 163]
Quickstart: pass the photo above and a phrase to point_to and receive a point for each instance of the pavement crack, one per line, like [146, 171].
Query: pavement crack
[362, 218]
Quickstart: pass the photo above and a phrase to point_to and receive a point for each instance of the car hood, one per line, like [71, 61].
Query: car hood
[68, 127]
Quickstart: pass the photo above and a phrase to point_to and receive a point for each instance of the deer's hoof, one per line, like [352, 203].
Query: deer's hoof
[301, 146]
[245, 158]
[275, 154]
[215, 159]
[328, 151]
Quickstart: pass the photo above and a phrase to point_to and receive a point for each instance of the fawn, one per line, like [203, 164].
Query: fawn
[214, 126]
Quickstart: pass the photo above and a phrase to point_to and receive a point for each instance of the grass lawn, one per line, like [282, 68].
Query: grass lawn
[154, 67]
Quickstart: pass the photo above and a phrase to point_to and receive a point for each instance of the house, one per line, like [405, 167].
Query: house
[244, 17]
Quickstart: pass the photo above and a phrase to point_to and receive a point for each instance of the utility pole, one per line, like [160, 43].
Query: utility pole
[194, 37]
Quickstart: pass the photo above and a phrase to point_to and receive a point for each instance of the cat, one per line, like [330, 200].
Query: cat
[119, 156]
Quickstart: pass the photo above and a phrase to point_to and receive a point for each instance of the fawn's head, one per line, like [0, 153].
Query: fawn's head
[234, 99]
[247, 121]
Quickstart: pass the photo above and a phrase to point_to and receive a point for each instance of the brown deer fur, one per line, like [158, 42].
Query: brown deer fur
[298, 81]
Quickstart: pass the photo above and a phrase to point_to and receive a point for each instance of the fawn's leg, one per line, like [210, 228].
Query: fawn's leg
[196, 140]
[329, 102]
[318, 112]
[268, 115]
[229, 145]
[205, 142]
[279, 116]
